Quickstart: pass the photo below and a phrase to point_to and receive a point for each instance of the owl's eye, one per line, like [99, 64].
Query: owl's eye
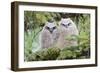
[47, 27]
[63, 24]
[69, 24]
[54, 27]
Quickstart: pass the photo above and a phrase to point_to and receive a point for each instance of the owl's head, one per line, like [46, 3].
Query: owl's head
[50, 26]
[66, 22]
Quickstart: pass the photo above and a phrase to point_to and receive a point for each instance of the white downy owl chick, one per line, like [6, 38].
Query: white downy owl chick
[66, 28]
[49, 35]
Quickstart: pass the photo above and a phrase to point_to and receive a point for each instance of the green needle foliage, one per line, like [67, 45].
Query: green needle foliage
[45, 54]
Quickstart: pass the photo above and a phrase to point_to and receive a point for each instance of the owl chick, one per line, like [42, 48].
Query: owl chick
[66, 28]
[49, 35]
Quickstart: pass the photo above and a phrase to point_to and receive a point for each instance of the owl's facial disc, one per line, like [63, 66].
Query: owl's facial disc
[50, 26]
[50, 29]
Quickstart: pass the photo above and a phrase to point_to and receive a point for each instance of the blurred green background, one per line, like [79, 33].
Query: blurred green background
[33, 24]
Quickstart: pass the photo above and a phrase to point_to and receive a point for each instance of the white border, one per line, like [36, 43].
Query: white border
[23, 64]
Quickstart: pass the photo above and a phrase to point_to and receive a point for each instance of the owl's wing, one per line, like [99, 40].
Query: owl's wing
[45, 39]
[56, 35]
[73, 29]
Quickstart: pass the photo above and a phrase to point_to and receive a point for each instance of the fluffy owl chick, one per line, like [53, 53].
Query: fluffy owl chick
[67, 28]
[49, 35]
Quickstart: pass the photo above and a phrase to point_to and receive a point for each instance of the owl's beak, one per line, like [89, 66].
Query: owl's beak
[66, 26]
[51, 30]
